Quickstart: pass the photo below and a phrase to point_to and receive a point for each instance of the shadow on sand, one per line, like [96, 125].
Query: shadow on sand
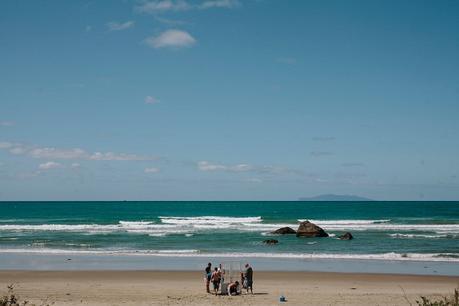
[260, 293]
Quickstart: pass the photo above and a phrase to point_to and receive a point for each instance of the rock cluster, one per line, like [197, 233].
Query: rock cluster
[271, 241]
[284, 231]
[305, 229]
[346, 236]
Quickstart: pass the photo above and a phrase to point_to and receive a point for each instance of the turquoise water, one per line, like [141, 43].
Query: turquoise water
[407, 231]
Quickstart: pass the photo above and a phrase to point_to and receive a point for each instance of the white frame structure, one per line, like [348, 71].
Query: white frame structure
[233, 270]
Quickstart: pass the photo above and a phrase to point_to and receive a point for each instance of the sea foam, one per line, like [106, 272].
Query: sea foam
[392, 256]
[168, 225]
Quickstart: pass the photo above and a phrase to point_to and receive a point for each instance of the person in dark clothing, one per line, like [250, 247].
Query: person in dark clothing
[207, 276]
[248, 278]
[233, 288]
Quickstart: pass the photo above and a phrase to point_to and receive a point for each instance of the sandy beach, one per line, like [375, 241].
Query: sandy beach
[187, 288]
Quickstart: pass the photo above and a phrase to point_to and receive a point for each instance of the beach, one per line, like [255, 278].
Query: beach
[187, 288]
[154, 253]
[229, 152]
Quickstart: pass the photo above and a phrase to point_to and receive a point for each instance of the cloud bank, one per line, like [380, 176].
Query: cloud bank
[70, 154]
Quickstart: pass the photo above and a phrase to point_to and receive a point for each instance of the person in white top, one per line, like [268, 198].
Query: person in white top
[222, 275]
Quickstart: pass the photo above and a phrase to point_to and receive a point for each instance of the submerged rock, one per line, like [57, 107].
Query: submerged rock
[284, 231]
[270, 241]
[308, 229]
[346, 236]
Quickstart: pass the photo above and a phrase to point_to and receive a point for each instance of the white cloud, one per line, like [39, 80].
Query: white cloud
[161, 6]
[246, 168]
[75, 165]
[208, 166]
[17, 150]
[170, 22]
[119, 156]
[219, 4]
[118, 26]
[5, 145]
[151, 7]
[71, 154]
[49, 165]
[58, 153]
[151, 170]
[241, 168]
[151, 100]
[6, 123]
[171, 39]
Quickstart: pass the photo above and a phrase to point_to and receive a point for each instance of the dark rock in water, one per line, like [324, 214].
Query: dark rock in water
[284, 231]
[271, 241]
[308, 229]
[346, 236]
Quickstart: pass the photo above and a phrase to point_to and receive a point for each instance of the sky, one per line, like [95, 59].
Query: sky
[229, 99]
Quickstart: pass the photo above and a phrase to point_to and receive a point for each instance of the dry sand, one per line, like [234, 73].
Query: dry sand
[187, 288]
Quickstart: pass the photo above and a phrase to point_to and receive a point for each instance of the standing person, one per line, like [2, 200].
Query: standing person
[222, 275]
[207, 276]
[248, 278]
[216, 277]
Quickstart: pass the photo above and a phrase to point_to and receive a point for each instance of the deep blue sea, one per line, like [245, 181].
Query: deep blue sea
[406, 231]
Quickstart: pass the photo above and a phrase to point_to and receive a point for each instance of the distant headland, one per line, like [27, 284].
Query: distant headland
[335, 197]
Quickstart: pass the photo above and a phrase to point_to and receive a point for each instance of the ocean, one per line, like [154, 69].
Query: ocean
[403, 231]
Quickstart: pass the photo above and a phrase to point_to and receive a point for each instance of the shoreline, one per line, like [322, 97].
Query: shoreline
[392, 256]
[79, 262]
[97, 287]
[172, 274]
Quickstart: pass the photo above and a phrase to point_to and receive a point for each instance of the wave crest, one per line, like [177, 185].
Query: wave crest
[392, 256]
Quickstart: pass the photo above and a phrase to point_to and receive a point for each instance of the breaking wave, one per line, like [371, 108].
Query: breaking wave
[392, 256]
[345, 222]
[189, 225]
[408, 236]
[209, 220]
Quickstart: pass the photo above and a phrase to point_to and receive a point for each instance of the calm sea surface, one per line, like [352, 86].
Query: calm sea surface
[420, 231]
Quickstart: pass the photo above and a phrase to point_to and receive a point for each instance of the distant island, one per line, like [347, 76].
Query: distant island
[335, 197]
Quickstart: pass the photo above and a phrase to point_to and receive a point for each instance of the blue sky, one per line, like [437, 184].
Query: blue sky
[229, 100]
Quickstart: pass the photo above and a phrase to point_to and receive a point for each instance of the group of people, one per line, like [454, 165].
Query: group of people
[217, 278]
